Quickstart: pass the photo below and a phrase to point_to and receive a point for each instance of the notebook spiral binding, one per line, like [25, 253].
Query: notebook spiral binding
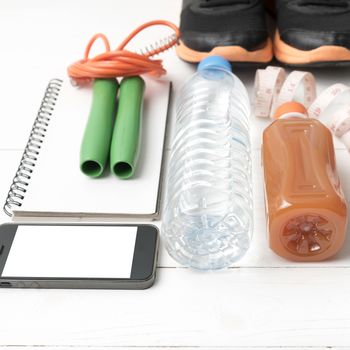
[32, 150]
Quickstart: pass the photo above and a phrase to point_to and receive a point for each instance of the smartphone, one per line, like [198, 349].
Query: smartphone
[78, 256]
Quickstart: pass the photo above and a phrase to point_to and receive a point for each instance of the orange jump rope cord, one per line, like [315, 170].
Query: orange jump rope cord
[121, 62]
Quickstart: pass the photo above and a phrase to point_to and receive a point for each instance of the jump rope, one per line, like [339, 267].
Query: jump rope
[113, 129]
[121, 62]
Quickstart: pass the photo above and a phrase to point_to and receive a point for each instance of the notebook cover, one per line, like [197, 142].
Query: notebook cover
[56, 188]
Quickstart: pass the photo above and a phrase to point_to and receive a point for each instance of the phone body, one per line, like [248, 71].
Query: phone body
[78, 256]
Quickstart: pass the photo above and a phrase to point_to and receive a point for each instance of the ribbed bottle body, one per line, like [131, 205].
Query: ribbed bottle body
[207, 222]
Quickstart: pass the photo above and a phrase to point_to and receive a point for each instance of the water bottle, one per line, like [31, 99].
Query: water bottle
[208, 216]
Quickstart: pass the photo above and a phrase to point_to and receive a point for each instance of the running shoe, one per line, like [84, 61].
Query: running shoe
[313, 32]
[234, 29]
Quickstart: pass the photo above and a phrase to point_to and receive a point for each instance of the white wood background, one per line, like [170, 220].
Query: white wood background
[262, 302]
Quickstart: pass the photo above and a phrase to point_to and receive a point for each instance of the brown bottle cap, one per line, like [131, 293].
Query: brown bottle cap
[290, 107]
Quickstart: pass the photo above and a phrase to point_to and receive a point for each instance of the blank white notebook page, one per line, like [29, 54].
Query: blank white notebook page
[57, 184]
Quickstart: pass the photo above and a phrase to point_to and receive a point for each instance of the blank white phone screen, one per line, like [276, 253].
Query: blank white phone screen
[72, 252]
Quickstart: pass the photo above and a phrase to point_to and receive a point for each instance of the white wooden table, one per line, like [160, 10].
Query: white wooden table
[262, 302]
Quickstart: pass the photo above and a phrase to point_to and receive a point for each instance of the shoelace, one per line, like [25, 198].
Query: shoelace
[219, 3]
[330, 3]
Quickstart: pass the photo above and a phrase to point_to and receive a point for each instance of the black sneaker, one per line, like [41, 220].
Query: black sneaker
[313, 32]
[234, 29]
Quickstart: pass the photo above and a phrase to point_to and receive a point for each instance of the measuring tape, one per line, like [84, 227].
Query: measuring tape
[274, 87]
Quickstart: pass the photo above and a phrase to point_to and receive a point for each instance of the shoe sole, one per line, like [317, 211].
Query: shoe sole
[234, 54]
[328, 55]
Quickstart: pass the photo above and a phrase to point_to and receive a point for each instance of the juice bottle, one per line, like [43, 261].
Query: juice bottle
[305, 204]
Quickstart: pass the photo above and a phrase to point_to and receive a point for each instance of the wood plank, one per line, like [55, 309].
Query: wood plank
[240, 307]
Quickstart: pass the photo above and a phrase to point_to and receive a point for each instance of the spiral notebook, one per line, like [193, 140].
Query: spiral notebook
[48, 183]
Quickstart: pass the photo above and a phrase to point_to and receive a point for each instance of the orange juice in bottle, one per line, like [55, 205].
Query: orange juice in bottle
[305, 204]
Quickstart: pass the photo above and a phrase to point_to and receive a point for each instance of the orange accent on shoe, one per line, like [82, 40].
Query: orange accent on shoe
[231, 53]
[290, 55]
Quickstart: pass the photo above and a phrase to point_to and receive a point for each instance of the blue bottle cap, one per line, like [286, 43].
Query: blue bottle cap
[214, 62]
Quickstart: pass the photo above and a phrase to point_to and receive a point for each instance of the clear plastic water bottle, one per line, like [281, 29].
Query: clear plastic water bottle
[208, 216]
